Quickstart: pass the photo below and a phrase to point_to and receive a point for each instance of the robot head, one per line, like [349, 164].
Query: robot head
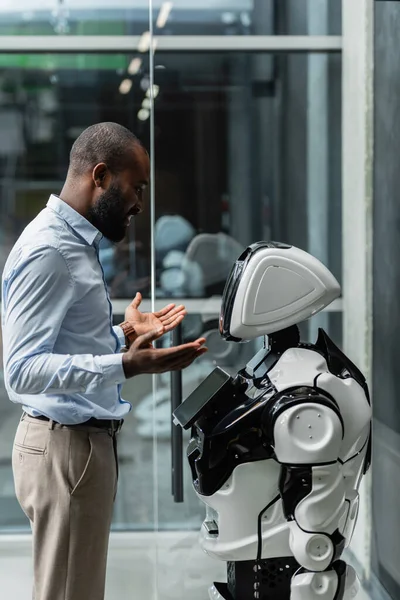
[271, 287]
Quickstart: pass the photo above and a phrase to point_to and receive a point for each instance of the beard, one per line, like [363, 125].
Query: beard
[108, 215]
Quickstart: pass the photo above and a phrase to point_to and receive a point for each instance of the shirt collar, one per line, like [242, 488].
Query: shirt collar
[78, 223]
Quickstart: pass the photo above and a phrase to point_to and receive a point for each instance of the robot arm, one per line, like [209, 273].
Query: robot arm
[307, 434]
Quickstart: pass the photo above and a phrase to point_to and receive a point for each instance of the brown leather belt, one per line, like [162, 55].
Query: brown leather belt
[111, 425]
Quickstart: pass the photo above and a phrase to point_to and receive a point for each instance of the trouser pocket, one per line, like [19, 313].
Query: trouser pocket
[80, 459]
[29, 463]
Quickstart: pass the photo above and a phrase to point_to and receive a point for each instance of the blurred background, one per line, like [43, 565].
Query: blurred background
[265, 119]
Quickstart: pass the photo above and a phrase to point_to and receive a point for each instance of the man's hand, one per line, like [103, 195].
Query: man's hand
[143, 358]
[168, 317]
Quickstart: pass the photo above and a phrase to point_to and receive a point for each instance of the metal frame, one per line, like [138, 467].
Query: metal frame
[108, 44]
[357, 168]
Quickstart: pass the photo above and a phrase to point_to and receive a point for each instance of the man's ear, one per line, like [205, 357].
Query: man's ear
[100, 175]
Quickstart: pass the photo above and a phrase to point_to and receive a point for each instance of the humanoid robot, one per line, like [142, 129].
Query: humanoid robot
[277, 452]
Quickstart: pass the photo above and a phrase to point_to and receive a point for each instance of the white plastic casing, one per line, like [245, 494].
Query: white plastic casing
[238, 512]
[279, 288]
[307, 433]
[314, 586]
[333, 500]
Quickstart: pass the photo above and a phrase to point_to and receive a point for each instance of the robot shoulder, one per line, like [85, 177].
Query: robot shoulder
[304, 425]
[296, 367]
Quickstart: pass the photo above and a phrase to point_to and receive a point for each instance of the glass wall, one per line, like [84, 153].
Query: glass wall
[386, 474]
[180, 17]
[237, 150]
[247, 146]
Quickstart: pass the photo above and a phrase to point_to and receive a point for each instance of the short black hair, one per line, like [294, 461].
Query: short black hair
[103, 142]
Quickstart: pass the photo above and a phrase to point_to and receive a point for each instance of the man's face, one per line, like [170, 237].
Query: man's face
[123, 199]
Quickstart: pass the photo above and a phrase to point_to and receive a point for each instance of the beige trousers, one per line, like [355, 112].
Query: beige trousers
[66, 481]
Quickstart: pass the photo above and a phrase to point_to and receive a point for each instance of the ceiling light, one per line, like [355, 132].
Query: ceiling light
[146, 103]
[134, 66]
[156, 90]
[125, 86]
[164, 14]
[143, 114]
[144, 42]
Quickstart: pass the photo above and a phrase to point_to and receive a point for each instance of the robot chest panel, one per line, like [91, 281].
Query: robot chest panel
[297, 367]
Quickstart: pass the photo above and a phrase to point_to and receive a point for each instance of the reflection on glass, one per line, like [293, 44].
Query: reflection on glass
[242, 155]
[237, 156]
[45, 103]
[233, 150]
[11, 516]
[190, 265]
[181, 17]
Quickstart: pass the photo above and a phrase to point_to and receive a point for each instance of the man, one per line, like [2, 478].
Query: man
[62, 361]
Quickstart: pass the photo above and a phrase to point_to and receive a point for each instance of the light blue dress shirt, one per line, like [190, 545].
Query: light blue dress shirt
[61, 352]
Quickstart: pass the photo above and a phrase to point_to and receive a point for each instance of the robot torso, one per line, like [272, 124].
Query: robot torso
[277, 454]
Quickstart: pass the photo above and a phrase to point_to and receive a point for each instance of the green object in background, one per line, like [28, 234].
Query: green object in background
[89, 27]
[54, 62]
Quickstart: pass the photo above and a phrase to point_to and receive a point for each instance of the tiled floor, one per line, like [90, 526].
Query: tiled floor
[182, 572]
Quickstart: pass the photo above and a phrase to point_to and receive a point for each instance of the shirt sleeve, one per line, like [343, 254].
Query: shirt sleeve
[120, 335]
[37, 294]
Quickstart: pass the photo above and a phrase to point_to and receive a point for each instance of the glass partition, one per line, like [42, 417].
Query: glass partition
[178, 17]
[247, 147]
[236, 161]
[45, 102]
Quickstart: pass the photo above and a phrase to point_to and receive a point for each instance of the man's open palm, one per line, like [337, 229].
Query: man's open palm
[168, 317]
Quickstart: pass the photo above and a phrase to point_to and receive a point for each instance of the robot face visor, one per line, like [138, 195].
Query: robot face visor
[228, 299]
[271, 287]
[232, 285]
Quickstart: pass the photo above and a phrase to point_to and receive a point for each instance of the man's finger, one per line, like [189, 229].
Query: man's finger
[202, 350]
[172, 313]
[165, 357]
[172, 323]
[197, 355]
[183, 364]
[164, 310]
[137, 300]
[178, 362]
[169, 320]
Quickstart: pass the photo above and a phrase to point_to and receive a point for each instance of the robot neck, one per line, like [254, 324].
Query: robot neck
[281, 340]
[274, 345]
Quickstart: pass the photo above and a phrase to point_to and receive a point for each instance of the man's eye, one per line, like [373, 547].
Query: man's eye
[139, 191]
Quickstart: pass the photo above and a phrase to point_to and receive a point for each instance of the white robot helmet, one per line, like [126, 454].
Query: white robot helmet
[271, 287]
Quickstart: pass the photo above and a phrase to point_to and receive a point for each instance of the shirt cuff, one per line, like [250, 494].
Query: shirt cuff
[112, 367]
[121, 336]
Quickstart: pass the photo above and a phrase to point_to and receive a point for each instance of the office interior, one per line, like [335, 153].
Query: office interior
[264, 119]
